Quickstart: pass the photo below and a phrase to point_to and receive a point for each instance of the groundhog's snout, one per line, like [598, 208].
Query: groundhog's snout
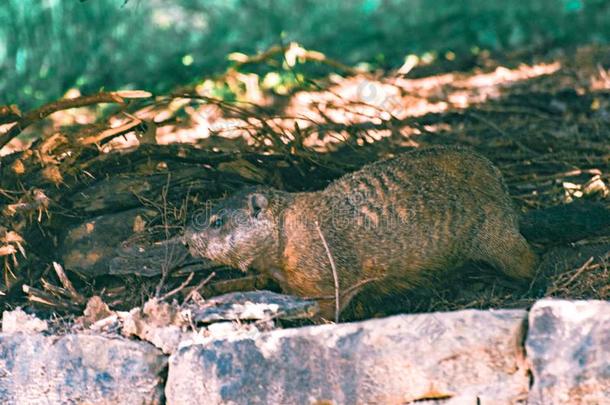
[193, 251]
[192, 240]
[184, 239]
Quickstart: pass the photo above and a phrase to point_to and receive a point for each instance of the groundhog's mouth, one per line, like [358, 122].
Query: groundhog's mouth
[203, 254]
[217, 254]
[193, 250]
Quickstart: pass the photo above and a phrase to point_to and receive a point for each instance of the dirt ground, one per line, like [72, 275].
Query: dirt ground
[544, 120]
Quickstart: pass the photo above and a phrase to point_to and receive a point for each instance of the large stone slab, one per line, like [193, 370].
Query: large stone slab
[568, 346]
[78, 369]
[466, 357]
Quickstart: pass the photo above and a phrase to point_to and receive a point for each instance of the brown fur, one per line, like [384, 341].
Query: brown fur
[395, 221]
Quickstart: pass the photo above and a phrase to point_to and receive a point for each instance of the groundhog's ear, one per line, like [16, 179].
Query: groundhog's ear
[257, 203]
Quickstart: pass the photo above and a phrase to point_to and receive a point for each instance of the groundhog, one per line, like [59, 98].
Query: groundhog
[392, 223]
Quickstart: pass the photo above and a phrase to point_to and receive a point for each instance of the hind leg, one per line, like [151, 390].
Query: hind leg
[328, 307]
[507, 250]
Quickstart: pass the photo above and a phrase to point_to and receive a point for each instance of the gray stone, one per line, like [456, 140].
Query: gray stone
[253, 305]
[568, 346]
[78, 369]
[464, 357]
[18, 321]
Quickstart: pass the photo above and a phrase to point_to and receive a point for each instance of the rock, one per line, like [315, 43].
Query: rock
[167, 325]
[159, 323]
[253, 305]
[218, 331]
[568, 346]
[19, 321]
[95, 311]
[466, 357]
[81, 369]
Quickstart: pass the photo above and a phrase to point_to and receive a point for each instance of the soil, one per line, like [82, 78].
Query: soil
[544, 123]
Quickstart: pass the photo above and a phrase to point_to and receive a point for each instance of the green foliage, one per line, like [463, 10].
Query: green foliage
[49, 46]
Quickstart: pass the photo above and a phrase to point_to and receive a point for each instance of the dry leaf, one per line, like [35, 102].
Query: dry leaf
[7, 250]
[139, 225]
[596, 186]
[132, 94]
[95, 311]
[52, 174]
[18, 167]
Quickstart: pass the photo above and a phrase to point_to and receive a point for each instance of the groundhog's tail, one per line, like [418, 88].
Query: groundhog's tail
[566, 223]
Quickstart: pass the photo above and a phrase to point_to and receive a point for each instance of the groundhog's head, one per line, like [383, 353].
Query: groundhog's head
[236, 231]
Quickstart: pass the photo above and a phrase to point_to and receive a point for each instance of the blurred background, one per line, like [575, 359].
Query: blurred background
[50, 46]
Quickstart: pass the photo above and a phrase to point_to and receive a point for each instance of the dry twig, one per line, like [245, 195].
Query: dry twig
[65, 281]
[198, 287]
[65, 104]
[334, 269]
[179, 288]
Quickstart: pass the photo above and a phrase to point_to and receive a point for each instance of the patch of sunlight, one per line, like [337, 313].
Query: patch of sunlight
[601, 81]
[187, 60]
[437, 127]
[503, 75]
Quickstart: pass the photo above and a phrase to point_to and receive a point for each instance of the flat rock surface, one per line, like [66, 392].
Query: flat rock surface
[568, 346]
[78, 369]
[462, 357]
[253, 305]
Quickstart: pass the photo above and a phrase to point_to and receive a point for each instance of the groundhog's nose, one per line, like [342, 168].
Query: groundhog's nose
[187, 235]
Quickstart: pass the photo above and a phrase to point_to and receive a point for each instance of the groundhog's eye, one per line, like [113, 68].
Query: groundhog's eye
[216, 222]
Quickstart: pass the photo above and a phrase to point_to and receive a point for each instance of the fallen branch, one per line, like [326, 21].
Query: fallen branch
[37, 296]
[9, 113]
[576, 273]
[198, 287]
[291, 53]
[39, 114]
[111, 132]
[179, 288]
[65, 281]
